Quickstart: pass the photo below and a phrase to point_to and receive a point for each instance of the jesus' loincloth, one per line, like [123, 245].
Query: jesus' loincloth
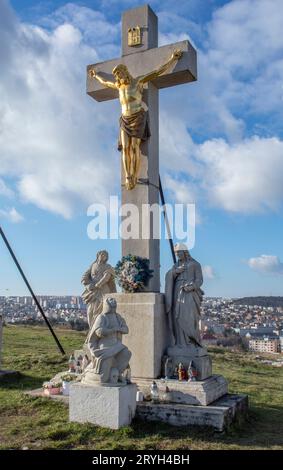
[136, 125]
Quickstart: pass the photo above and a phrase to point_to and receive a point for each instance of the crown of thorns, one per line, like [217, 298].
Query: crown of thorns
[120, 68]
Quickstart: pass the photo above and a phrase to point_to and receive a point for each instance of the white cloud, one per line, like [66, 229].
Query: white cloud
[244, 55]
[242, 177]
[94, 28]
[234, 109]
[208, 272]
[183, 192]
[53, 140]
[240, 73]
[59, 145]
[266, 264]
[5, 190]
[258, 37]
[12, 215]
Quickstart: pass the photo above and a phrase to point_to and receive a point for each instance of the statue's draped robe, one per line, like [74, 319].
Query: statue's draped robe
[183, 308]
[136, 125]
[104, 345]
[98, 280]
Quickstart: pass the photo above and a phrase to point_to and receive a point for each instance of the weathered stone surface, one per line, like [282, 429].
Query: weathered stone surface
[219, 415]
[148, 338]
[202, 362]
[190, 393]
[106, 406]
[142, 16]
[190, 350]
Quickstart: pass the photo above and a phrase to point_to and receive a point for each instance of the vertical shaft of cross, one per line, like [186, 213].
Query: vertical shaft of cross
[147, 189]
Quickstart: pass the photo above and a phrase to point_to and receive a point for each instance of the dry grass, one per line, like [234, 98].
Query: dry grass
[39, 423]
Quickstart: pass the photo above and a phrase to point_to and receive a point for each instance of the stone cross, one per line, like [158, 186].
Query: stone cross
[141, 58]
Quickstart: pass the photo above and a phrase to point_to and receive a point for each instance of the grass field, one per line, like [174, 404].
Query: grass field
[39, 423]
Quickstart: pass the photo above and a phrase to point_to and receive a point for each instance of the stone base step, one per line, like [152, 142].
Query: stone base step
[201, 392]
[218, 415]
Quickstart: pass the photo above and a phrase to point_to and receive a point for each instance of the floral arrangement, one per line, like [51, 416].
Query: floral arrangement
[68, 377]
[52, 388]
[133, 273]
[52, 384]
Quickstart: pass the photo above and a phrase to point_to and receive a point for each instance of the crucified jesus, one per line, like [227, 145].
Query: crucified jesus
[134, 123]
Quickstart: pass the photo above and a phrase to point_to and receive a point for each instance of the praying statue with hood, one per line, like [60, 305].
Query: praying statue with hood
[109, 356]
[183, 297]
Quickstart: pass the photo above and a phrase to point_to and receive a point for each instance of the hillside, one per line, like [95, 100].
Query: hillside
[39, 423]
[262, 301]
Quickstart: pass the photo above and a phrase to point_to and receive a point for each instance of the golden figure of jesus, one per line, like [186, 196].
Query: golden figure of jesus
[134, 125]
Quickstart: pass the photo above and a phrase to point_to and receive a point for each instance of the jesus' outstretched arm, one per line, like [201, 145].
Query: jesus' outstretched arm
[155, 73]
[93, 74]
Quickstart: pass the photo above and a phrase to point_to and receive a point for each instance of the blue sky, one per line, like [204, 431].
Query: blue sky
[58, 147]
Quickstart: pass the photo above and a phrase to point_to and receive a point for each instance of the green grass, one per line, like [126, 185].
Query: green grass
[41, 423]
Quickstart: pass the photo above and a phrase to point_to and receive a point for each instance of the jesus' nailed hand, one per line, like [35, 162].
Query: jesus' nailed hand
[134, 124]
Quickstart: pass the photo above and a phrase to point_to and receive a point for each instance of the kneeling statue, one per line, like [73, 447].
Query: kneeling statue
[110, 358]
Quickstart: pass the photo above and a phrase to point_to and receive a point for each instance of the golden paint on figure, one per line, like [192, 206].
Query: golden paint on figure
[134, 126]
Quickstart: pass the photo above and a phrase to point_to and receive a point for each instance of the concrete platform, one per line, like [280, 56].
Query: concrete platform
[201, 392]
[219, 415]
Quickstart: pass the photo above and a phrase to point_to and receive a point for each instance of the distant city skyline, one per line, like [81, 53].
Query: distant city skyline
[242, 324]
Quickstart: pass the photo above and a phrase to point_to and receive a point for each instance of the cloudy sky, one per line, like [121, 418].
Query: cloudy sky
[221, 139]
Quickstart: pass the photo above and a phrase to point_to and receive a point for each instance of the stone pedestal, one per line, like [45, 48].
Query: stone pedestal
[106, 406]
[201, 360]
[189, 393]
[145, 316]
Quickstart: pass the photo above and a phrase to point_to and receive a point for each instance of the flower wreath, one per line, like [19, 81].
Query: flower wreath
[133, 273]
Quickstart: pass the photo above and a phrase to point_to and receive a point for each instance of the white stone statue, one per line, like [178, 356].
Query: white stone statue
[98, 280]
[109, 357]
[183, 297]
